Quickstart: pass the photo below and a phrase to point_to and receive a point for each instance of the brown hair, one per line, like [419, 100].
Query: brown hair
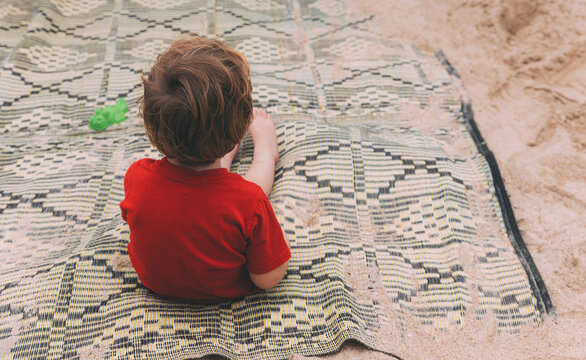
[197, 100]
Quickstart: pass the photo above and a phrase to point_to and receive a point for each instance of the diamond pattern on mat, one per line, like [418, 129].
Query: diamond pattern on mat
[161, 4]
[259, 5]
[28, 243]
[37, 119]
[329, 7]
[267, 94]
[148, 50]
[51, 58]
[9, 10]
[353, 48]
[372, 97]
[76, 7]
[258, 50]
[42, 165]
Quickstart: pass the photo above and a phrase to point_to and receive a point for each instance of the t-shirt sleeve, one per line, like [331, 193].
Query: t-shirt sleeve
[127, 178]
[266, 249]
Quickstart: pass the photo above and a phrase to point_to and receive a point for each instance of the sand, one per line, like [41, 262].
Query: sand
[523, 64]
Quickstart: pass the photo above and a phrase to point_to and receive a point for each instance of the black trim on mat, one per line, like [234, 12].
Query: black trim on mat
[537, 284]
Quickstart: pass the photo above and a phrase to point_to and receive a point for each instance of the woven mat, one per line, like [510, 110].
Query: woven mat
[394, 206]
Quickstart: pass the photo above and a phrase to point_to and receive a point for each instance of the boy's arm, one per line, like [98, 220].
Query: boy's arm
[266, 152]
[127, 180]
[262, 171]
[270, 279]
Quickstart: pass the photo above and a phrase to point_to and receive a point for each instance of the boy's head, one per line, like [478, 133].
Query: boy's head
[197, 102]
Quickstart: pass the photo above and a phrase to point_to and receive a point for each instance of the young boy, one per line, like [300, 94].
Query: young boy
[198, 231]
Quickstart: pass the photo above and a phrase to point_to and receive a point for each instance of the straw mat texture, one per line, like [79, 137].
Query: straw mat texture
[384, 186]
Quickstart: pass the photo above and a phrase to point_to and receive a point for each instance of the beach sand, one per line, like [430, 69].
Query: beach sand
[523, 64]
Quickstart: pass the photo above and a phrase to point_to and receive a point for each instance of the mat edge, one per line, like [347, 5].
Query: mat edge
[535, 279]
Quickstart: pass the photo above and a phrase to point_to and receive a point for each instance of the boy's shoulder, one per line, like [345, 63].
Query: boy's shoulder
[142, 163]
[246, 187]
[233, 184]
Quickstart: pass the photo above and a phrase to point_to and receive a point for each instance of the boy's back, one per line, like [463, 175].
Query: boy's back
[197, 234]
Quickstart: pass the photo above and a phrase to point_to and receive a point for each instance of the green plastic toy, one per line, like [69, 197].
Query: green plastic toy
[109, 115]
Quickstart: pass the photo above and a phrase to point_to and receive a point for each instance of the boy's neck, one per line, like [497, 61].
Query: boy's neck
[215, 165]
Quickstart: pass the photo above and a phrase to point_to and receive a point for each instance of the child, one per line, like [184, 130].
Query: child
[198, 231]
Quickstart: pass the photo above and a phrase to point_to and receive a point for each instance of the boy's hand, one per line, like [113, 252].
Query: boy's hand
[266, 152]
[262, 130]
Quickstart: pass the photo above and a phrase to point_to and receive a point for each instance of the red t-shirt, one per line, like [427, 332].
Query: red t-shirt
[197, 234]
